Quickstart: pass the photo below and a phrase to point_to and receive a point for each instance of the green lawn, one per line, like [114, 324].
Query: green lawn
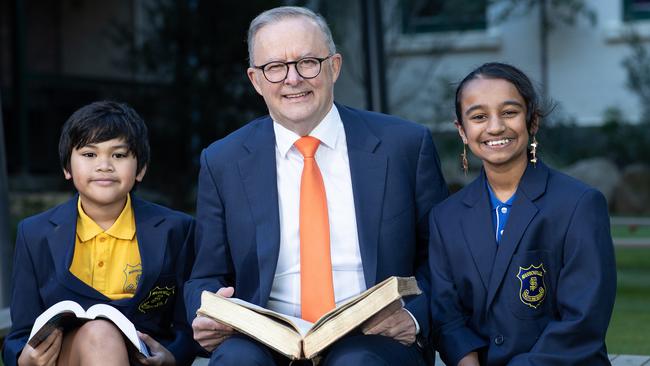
[629, 331]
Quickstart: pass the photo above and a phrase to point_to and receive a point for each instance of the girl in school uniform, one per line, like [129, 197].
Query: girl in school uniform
[521, 259]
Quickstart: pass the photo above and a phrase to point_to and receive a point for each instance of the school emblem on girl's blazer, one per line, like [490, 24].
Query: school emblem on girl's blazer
[533, 289]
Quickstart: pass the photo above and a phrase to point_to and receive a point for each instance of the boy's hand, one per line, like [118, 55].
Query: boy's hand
[45, 354]
[209, 333]
[160, 356]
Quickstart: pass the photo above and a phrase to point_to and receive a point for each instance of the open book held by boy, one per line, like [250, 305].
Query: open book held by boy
[68, 315]
[103, 246]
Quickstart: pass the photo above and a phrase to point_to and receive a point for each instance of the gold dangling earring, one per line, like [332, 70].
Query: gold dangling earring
[463, 159]
[533, 151]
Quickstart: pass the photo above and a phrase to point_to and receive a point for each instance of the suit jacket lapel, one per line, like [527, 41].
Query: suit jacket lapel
[151, 243]
[61, 241]
[259, 178]
[531, 186]
[477, 226]
[368, 173]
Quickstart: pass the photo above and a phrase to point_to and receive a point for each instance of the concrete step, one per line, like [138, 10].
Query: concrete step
[617, 360]
[629, 360]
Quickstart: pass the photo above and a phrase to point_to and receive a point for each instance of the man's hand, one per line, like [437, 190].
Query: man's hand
[394, 322]
[209, 333]
[160, 356]
[471, 359]
[45, 354]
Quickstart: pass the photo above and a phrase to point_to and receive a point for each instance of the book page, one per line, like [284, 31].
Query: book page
[52, 318]
[350, 315]
[300, 325]
[266, 326]
[339, 309]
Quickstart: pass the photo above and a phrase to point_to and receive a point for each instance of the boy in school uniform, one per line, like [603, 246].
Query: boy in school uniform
[103, 246]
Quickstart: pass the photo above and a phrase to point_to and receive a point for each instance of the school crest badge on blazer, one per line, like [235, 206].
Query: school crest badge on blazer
[532, 290]
[157, 297]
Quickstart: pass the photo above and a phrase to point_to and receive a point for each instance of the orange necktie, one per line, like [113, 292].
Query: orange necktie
[316, 285]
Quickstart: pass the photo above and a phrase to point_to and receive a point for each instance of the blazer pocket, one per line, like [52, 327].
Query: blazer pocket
[528, 284]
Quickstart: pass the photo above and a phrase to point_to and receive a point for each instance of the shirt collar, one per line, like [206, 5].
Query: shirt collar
[327, 131]
[122, 228]
[495, 202]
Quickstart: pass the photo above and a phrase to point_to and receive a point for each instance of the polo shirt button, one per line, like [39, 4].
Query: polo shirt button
[504, 209]
[102, 239]
[498, 340]
[100, 264]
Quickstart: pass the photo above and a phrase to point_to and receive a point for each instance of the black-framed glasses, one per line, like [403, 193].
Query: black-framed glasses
[307, 68]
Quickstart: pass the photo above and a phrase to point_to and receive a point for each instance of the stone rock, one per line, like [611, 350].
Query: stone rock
[632, 195]
[599, 173]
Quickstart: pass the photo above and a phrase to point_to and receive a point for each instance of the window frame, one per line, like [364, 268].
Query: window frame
[439, 23]
[631, 14]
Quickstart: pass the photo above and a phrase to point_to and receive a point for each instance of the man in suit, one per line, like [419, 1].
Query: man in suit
[259, 222]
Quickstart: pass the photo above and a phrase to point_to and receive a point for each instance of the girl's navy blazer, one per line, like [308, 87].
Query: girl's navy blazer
[41, 276]
[544, 294]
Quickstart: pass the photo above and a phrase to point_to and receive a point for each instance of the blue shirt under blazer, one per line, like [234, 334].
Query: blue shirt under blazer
[544, 295]
[41, 276]
[396, 179]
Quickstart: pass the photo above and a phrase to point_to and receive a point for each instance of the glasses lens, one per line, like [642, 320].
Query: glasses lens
[275, 72]
[308, 67]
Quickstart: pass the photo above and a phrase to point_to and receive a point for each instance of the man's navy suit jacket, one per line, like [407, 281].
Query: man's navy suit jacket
[558, 233]
[41, 277]
[396, 179]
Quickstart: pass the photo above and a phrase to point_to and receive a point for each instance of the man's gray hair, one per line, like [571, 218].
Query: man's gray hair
[284, 12]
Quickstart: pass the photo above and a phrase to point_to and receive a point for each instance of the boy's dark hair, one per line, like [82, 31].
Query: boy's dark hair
[497, 70]
[103, 121]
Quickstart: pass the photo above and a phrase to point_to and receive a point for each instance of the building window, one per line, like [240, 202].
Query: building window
[636, 9]
[420, 16]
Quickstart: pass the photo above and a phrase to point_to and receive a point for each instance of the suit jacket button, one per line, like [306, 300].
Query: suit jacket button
[498, 340]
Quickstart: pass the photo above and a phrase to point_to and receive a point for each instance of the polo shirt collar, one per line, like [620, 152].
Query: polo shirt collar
[495, 202]
[122, 228]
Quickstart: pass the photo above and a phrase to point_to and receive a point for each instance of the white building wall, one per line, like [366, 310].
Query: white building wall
[585, 72]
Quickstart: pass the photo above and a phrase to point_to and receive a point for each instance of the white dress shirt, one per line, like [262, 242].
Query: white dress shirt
[332, 159]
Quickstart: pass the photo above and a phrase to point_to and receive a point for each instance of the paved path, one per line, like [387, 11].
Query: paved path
[629, 360]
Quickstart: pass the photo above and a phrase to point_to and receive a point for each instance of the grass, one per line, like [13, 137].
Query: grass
[629, 329]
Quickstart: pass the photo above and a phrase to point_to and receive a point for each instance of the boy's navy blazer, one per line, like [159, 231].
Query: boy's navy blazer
[396, 179]
[558, 230]
[41, 276]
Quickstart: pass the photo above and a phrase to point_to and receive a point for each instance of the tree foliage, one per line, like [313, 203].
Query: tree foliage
[190, 60]
[560, 11]
[637, 68]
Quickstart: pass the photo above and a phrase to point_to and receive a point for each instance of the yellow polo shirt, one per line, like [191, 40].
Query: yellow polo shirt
[108, 261]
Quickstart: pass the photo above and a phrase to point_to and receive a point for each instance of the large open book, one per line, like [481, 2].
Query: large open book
[297, 338]
[69, 315]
